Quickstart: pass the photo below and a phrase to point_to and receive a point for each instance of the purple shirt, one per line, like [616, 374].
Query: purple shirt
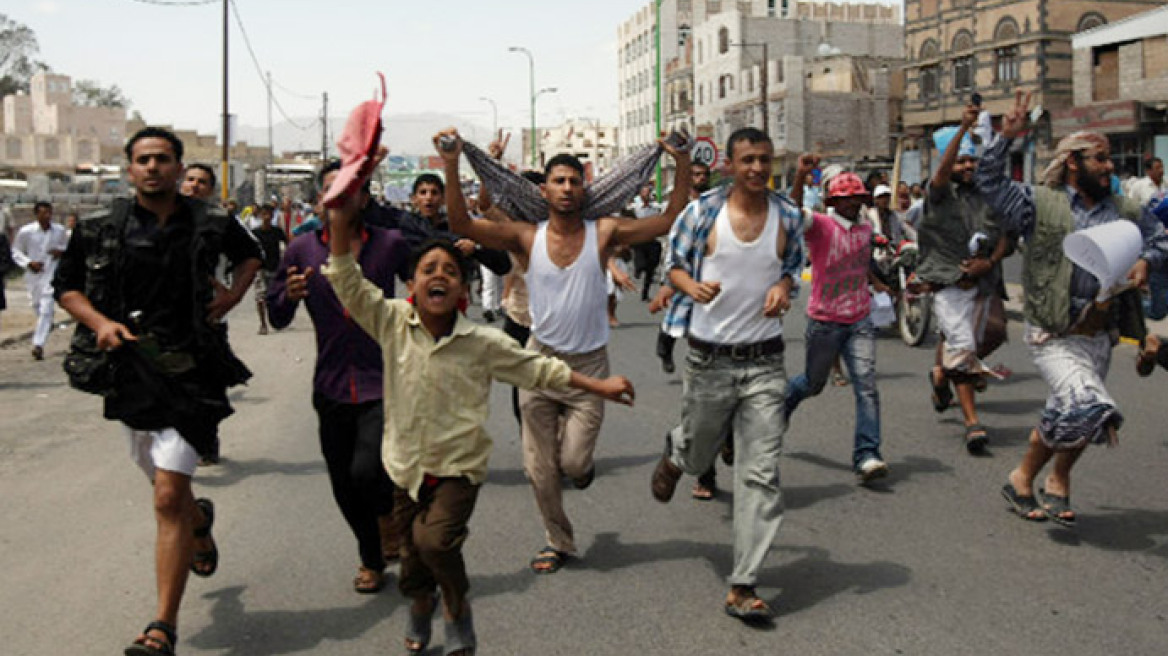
[348, 361]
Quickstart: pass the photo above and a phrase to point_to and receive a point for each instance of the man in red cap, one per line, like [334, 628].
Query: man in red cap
[840, 245]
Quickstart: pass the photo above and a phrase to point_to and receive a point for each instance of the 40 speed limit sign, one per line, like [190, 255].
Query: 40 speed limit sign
[704, 151]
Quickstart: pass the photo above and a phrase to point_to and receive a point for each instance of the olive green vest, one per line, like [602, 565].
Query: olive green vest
[1046, 274]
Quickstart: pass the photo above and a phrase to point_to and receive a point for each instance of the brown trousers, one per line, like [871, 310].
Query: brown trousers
[433, 530]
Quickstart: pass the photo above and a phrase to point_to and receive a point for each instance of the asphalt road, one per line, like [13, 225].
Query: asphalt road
[930, 563]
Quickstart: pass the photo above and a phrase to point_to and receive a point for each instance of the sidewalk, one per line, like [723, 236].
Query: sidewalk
[18, 321]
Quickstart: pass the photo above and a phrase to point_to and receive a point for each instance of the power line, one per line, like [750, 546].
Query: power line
[260, 71]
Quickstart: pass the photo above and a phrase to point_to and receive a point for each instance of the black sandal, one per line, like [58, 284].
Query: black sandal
[976, 439]
[551, 560]
[419, 630]
[1024, 506]
[942, 395]
[142, 645]
[210, 558]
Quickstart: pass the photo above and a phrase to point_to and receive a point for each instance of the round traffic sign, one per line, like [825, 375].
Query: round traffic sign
[704, 151]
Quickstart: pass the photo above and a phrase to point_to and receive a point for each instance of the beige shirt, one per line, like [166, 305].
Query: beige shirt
[437, 392]
[516, 301]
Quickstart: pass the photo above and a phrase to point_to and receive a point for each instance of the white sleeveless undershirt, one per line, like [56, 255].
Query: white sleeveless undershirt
[569, 306]
[747, 271]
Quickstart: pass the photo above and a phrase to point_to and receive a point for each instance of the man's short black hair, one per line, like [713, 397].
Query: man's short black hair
[329, 167]
[152, 132]
[1154, 160]
[563, 159]
[430, 179]
[534, 176]
[749, 135]
[41, 203]
[462, 261]
[206, 168]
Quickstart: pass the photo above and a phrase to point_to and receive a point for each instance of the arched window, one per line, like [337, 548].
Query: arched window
[929, 49]
[963, 41]
[723, 40]
[1007, 30]
[1090, 21]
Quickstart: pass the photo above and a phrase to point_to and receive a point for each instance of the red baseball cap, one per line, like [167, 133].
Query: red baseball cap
[358, 144]
[846, 184]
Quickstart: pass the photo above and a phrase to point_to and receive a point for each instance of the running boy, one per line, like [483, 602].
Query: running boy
[437, 454]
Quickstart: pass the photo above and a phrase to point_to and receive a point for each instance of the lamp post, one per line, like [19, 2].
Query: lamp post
[534, 148]
[494, 114]
[531, 81]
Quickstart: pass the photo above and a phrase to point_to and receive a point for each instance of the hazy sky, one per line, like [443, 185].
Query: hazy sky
[437, 55]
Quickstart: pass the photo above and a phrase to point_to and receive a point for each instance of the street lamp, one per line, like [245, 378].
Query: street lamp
[531, 80]
[494, 113]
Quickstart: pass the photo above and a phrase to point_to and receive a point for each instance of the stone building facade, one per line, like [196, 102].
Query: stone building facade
[995, 48]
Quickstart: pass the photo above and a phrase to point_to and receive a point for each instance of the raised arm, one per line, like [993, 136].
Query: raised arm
[503, 236]
[638, 231]
[949, 157]
[1013, 201]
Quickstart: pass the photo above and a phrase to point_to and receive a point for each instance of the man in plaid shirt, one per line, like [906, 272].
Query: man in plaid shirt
[735, 255]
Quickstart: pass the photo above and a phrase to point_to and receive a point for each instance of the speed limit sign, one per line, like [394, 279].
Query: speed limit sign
[704, 151]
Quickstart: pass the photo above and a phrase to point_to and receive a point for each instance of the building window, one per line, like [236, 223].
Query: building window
[1091, 21]
[701, 50]
[1007, 30]
[701, 94]
[52, 149]
[930, 82]
[963, 42]
[12, 148]
[929, 50]
[723, 40]
[1006, 69]
[963, 73]
[750, 79]
[722, 87]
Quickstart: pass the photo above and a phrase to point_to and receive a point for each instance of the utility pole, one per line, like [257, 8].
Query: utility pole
[324, 129]
[224, 171]
[271, 144]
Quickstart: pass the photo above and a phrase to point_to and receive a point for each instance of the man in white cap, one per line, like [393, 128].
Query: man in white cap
[1069, 333]
[961, 246]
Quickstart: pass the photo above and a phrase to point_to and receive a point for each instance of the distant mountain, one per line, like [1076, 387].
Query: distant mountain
[405, 134]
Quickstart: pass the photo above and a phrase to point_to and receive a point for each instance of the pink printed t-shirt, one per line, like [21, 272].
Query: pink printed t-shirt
[839, 269]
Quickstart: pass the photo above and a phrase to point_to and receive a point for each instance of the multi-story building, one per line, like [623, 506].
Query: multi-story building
[1121, 88]
[637, 67]
[594, 144]
[995, 48]
[45, 131]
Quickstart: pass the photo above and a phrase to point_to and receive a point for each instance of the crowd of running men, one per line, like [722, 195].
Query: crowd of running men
[401, 385]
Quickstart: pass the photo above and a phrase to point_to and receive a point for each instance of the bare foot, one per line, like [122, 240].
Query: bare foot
[1021, 486]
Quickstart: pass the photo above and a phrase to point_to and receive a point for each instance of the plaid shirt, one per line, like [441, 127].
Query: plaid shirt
[687, 247]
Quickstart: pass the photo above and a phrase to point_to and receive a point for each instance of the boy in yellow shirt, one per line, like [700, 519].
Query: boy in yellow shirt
[438, 371]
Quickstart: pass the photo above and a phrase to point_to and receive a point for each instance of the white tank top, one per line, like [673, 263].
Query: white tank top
[747, 271]
[569, 306]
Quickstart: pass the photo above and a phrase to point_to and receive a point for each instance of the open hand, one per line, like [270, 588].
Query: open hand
[617, 389]
[778, 300]
[623, 281]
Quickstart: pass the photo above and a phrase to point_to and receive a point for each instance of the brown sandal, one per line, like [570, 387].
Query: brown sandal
[368, 581]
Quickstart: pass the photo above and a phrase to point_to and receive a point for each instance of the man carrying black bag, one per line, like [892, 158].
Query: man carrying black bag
[139, 280]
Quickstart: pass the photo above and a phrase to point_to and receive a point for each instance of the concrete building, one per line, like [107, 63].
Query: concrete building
[594, 144]
[994, 48]
[1121, 88]
[637, 67]
[44, 131]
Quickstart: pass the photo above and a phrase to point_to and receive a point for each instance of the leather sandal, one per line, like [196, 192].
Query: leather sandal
[148, 645]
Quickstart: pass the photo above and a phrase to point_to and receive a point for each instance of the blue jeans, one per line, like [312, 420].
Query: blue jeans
[857, 344]
[1157, 306]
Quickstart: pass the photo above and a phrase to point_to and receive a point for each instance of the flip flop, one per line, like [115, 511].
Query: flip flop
[549, 561]
[702, 492]
[368, 581]
[1054, 506]
[1023, 506]
[942, 395]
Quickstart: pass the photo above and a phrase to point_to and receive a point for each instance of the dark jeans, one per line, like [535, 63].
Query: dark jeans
[520, 334]
[350, 439]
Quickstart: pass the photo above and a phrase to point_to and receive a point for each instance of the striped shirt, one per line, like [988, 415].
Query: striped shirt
[691, 232]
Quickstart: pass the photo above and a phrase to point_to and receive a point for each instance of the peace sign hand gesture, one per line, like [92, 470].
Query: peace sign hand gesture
[1014, 121]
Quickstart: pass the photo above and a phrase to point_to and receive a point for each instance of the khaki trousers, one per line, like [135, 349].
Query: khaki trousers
[560, 428]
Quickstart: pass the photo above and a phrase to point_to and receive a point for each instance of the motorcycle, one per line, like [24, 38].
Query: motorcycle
[895, 266]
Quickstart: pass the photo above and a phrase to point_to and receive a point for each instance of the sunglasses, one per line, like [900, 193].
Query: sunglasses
[1101, 158]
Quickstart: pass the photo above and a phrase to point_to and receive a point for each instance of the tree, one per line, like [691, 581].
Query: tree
[18, 51]
[90, 93]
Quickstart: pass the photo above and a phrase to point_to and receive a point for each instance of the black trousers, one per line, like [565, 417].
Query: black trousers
[350, 440]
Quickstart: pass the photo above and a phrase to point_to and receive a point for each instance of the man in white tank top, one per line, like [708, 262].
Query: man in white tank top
[565, 258]
[734, 257]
